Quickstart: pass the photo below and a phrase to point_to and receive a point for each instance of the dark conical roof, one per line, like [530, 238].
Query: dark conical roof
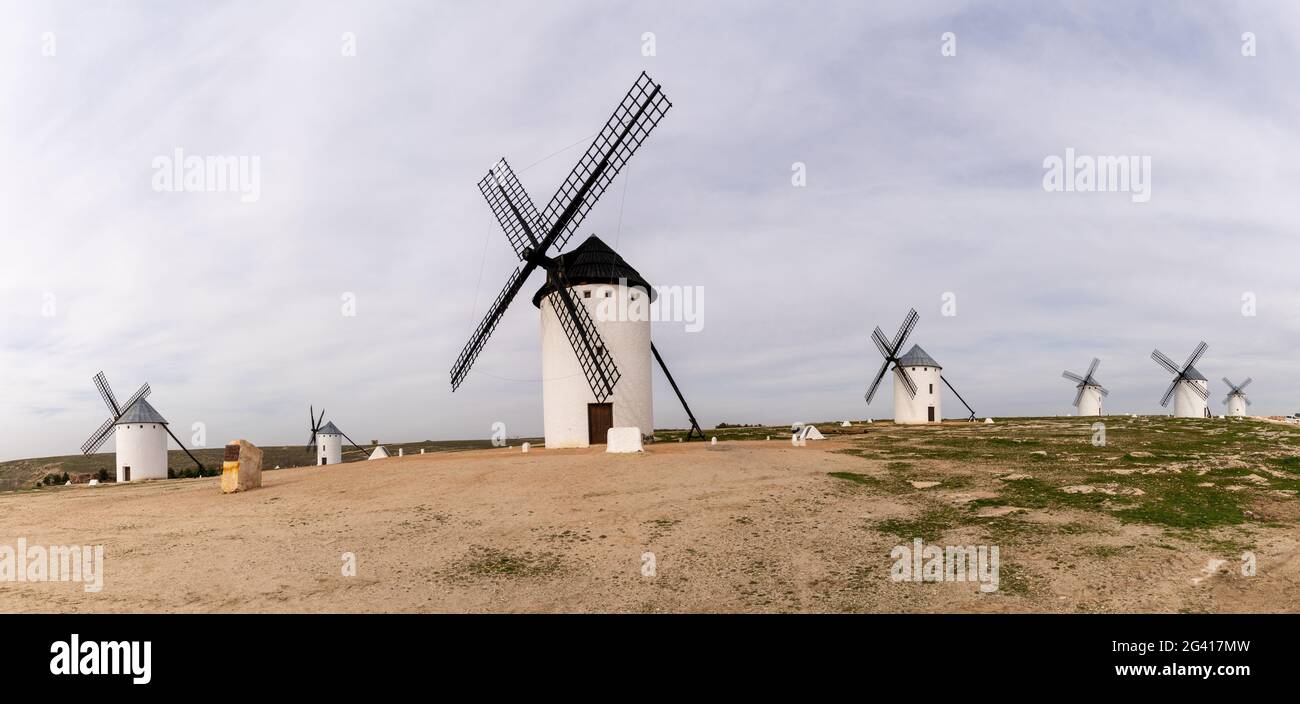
[1194, 375]
[141, 412]
[593, 262]
[329, 428]
[917, 357]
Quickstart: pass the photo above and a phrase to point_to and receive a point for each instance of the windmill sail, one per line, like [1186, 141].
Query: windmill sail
[105, 431]
[533, 236]
[594, 358]
[889, 350]
[1186, 373]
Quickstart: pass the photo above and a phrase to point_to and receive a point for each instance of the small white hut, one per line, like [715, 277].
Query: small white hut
[925, 407]
[141, 443]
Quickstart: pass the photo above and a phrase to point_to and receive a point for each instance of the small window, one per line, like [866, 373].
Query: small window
[608, 294]
[633, 296]
[586, 294]
[931, 388]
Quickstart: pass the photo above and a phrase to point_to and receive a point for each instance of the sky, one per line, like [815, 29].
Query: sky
[920, 129]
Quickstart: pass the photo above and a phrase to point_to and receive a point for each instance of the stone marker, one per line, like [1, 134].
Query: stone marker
[623, 440]
[525, 447]
[714, 441]
[401, 451]
[241, 467]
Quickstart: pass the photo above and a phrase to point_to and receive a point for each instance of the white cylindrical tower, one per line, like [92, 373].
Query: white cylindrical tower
[1236, 405]
[925, 407]
[1090, 401]
[329, 445]
[1187, 402]
[617, 299]
[141, 443]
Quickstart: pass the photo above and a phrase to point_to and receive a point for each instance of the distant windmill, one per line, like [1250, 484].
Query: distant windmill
[1189, 389]
[1088, 400]
[327, 439]
[141, 435]
[916, 377]
[584, 392]
[1236, 400]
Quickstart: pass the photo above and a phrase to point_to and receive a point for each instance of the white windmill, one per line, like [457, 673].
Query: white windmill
[916, 377]
[598, 280]
[1190, 390]
[327, 439]
[1090, 391]
[584, 391]
[141, 435]
[1236, 400]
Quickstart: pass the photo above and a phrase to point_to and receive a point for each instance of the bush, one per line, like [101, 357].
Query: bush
[190, 473]
[102, 476]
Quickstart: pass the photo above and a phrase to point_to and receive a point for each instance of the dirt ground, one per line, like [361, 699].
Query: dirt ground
[743, 526]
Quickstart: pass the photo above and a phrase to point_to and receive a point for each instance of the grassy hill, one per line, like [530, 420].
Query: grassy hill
[28, 473]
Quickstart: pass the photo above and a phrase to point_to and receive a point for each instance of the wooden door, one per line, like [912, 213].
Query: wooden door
[600, 418]
[126, 474]
[930, 411]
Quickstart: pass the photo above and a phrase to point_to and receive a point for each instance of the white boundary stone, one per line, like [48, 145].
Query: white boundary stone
[623, 440]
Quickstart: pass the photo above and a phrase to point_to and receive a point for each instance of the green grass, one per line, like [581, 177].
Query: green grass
[1287, 464]
[1174, 500]
[1154, 464]
[930, 526]
[492, 563]
[856, 478]
[1014, 580]
[1104, 551]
